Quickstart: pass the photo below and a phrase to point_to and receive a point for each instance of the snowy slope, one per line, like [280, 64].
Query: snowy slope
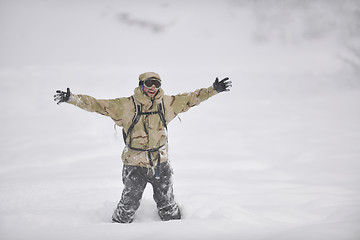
[275, 158]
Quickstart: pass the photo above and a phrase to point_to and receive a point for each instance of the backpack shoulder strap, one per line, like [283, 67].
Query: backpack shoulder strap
[161, 110]
[136, 118]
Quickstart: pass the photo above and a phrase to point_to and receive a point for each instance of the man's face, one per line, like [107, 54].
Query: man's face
[151, 92]
[151, 87]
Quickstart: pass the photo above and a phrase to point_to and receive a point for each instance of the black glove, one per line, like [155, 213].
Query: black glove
[61, 96]
[223, 85]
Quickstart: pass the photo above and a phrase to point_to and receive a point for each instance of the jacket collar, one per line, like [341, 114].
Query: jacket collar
[144, 99]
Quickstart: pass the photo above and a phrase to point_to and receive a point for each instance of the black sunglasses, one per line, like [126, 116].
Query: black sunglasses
[152, 82]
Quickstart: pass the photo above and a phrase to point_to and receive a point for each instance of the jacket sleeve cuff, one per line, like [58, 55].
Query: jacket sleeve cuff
[212, 91]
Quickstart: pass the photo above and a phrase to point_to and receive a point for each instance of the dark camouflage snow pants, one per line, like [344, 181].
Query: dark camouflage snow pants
[135, 180]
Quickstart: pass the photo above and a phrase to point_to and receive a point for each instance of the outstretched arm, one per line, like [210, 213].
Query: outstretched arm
[183, 102]
[111, 108]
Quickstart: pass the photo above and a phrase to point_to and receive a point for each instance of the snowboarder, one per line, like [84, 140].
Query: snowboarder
[144, 118]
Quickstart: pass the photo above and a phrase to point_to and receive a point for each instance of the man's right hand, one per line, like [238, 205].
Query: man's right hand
[61, 96]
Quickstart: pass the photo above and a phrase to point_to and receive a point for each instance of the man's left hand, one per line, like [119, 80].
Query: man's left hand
[223, 85]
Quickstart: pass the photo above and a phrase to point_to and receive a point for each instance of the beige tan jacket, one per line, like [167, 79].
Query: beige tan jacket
[149, 132]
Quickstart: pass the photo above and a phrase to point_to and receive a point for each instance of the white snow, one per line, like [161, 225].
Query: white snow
[277, 157]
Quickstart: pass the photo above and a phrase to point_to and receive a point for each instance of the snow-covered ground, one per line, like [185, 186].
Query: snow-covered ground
[275, 158]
